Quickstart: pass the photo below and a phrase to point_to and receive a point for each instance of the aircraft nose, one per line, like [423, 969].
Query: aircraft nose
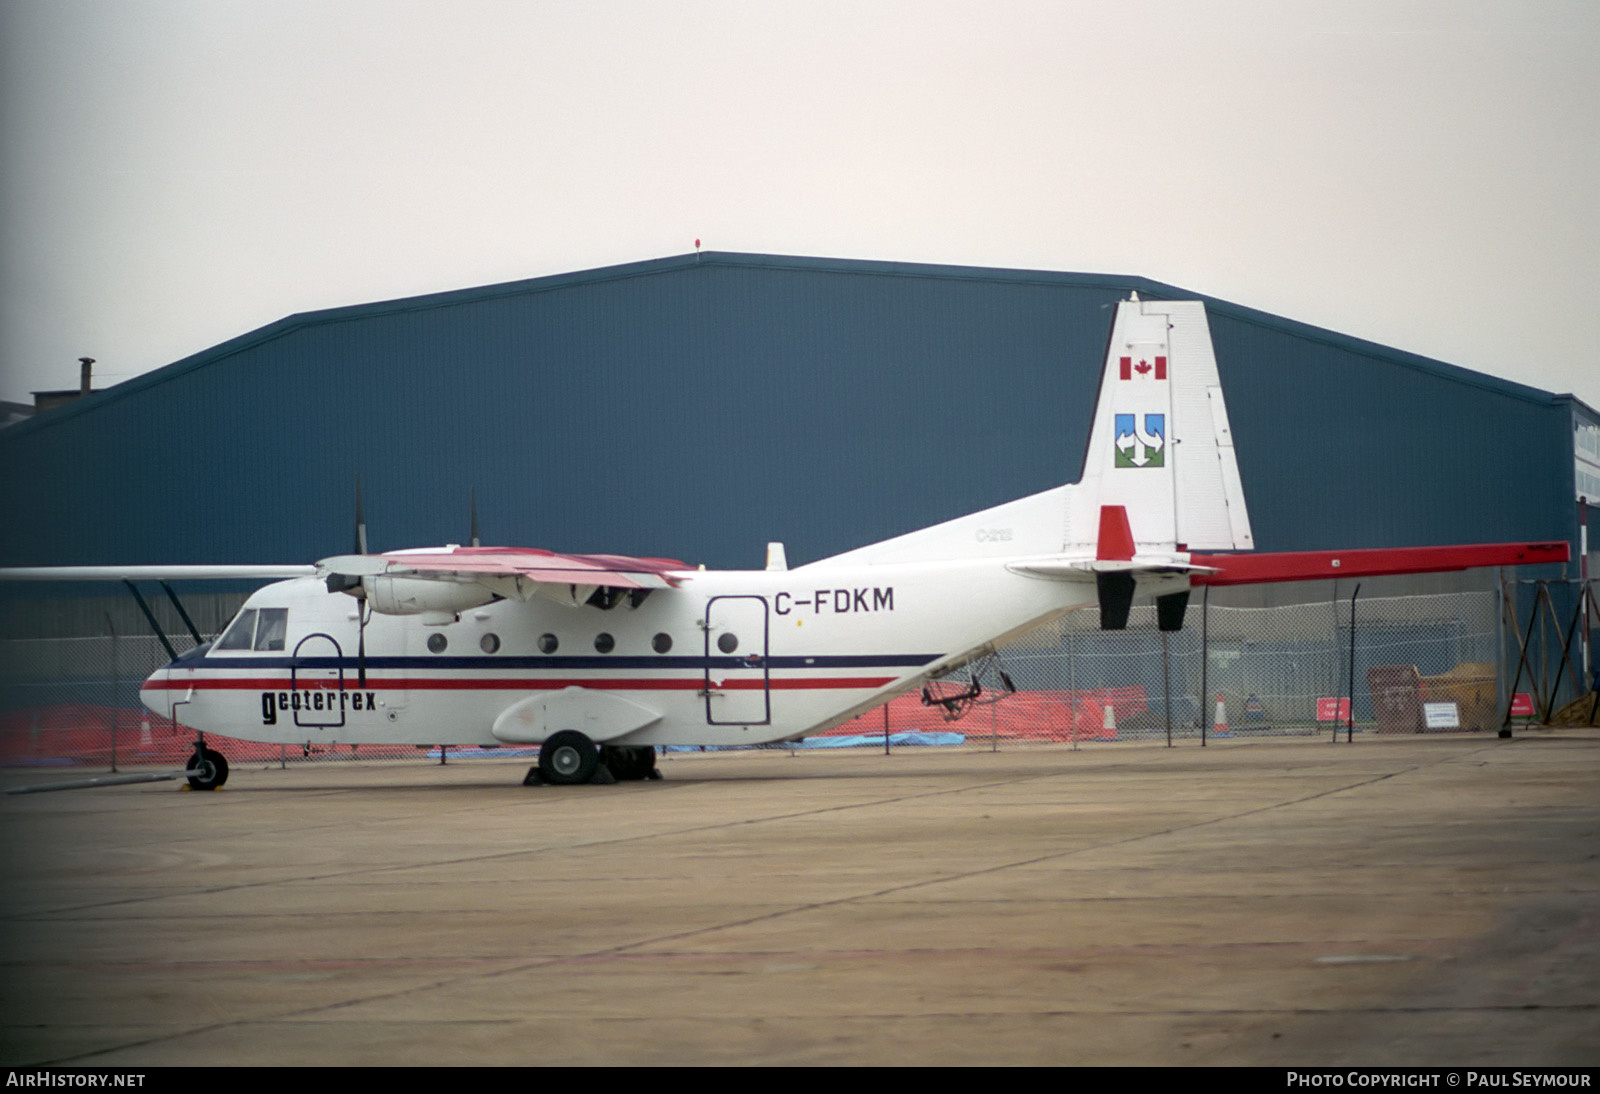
[156, 692]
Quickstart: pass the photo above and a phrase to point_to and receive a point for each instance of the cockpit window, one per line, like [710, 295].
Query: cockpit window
[272, 627]
[241, 634]
[257, 629]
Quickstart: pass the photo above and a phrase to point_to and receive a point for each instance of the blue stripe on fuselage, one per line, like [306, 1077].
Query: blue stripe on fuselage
[244, 661]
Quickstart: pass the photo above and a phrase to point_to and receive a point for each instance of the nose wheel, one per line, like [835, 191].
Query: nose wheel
[207, 769]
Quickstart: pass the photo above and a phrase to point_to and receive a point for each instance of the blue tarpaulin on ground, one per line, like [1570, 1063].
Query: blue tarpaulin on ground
[864, 740]
[914, 737]
[854, 740]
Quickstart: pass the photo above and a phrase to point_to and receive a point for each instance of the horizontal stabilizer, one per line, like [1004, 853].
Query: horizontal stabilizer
[1078, 568]
[1254, 569]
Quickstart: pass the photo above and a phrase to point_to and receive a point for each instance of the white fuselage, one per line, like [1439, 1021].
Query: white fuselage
[727, 657]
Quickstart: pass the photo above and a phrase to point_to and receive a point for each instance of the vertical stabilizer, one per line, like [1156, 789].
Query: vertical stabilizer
[1160, 446]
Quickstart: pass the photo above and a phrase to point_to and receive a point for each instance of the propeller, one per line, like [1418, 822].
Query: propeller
[351, 583]
[361, 522]
[363, 609]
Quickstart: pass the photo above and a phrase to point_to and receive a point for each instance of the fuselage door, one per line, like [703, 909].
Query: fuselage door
[738, 683]
[316, 683]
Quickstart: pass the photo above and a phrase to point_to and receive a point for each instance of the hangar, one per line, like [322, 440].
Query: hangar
[701, 405]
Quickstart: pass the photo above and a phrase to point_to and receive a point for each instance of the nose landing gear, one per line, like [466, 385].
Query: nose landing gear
[207, 768]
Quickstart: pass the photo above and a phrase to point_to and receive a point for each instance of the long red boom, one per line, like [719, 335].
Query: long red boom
[1255, 569]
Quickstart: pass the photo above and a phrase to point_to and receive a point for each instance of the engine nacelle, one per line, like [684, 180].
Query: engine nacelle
[415, 596]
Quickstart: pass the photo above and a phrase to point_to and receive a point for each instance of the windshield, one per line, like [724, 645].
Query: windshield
[256, 629]
[241, 633]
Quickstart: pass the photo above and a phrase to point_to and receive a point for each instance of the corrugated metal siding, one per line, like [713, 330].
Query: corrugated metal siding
[699, 409]
[1345, 448]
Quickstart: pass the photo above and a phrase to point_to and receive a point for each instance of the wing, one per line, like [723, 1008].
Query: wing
[516, 573]
[152, 573]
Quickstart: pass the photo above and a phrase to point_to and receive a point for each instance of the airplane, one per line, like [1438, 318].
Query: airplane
[601, 659]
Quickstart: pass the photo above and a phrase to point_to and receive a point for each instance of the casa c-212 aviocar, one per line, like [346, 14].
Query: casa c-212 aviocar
[600, 659]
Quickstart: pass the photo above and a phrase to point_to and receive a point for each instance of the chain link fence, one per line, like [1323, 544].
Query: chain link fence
[1236, 671]
[68, 702]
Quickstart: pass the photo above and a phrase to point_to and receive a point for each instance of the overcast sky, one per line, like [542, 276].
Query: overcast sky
[178, 172]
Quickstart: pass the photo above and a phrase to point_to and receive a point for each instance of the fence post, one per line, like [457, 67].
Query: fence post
[110, 626]
[1166, 686]
[1205, 659]
[1350, 722]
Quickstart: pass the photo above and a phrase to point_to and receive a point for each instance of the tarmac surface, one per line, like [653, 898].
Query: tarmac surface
[1420, 900]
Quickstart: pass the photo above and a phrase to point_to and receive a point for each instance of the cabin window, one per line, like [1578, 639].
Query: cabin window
[604, 643]
[661, 643]
[437, 643]
[241, 633]
[728, 642]
[549, 643]
[490, 643]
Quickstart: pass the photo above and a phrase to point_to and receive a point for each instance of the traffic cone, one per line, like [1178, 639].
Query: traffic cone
[1219, 724]
[1108, 723]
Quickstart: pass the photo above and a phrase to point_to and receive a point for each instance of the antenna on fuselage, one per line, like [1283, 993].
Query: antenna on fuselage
[472, 502]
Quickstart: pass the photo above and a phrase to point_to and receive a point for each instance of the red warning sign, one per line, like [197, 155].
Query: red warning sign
[1330, 709]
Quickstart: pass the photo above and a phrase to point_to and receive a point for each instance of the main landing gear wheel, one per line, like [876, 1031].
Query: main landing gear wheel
[630, 762]
[207, 770]
[567, 758]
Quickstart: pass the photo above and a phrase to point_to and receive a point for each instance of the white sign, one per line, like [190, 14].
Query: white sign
[1441, 715]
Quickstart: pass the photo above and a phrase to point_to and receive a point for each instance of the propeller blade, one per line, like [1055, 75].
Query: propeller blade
[361, 521]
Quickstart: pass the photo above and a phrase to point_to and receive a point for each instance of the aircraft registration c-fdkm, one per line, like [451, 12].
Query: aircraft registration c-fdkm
[599, 659]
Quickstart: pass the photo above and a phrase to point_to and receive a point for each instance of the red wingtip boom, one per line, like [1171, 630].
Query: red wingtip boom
[1255, 569]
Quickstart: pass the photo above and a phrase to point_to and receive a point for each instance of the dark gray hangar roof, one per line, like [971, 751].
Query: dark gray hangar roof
[697, 406]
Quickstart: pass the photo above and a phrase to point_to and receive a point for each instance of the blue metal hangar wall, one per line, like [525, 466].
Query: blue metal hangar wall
[695, 407]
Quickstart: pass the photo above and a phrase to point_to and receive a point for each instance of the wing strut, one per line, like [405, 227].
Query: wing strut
[172, 654]
[187, 622]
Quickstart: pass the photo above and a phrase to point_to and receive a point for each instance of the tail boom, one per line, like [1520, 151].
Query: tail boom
[1255, 569]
